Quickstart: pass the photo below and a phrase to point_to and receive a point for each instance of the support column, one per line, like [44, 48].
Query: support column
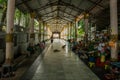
[86, 28]
[39, 31]
[95, 31]
[73, 30]
[9, 31]
[70, 30]
[90, 26]
[76, 26]
[32, 35]
[114, 28]
[43, 30]
[67, 31]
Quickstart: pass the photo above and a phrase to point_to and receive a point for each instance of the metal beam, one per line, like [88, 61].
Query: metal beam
[47, 6]
[68, 13]
[61, 3]
[23, 2]
[51, 6]
[60, 11]
[58, 23]
[55, 16]
[50, 12]
[58, 7]
[66, 19]
[71, 6]
[49, 19]
[96, 4]
[29, 8]
[59, 17]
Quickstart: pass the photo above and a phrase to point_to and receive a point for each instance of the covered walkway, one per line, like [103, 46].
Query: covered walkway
[59, 65]
[91, 27]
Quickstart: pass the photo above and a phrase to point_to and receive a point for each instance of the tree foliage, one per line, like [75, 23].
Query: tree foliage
[2, 1]
[3, 7]
[81, 28]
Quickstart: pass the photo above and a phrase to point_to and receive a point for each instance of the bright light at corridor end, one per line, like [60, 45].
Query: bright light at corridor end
[55, 35]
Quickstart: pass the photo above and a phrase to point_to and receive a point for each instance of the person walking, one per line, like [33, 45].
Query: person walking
[51, 39]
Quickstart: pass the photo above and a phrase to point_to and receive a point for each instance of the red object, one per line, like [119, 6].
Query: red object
[99, 63]
[102, 64]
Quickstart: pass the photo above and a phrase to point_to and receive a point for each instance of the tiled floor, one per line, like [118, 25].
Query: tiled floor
[59, 65]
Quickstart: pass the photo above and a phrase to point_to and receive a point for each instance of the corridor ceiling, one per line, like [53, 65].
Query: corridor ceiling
[57, 13]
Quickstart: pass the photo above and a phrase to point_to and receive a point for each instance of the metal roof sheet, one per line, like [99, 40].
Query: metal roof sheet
[65, 10]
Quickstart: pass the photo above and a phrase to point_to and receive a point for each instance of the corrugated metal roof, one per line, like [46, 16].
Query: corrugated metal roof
[65, 10]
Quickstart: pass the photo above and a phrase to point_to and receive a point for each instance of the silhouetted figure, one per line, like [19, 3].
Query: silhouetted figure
[51, 39]
[30, 48]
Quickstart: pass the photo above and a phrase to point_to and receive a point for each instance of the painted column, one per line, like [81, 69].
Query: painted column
[32, 35]
[67, 31]
[95, 31]
[73, 30]
[43, 30]
[39, 31]
[86, 28]
[76, 26]
[70, 29]
[90, 34]
[114, 29]
[9, 31]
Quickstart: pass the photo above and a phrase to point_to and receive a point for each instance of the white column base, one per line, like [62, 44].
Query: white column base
[9, 53]
[114, 52]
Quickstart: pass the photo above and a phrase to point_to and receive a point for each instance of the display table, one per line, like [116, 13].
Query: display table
[116, 64]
